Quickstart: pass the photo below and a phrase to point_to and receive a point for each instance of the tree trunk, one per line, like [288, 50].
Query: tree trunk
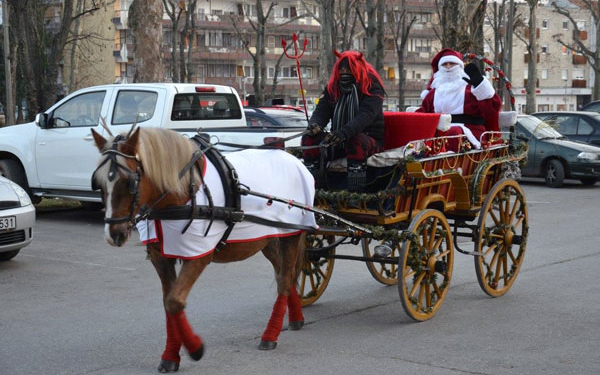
[145, 21]
[326, 59]
[379, 36]
[530, 105]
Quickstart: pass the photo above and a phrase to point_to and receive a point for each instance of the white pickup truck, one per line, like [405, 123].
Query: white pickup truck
[54, 156]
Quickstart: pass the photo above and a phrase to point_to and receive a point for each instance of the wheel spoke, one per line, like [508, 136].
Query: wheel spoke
[428, 295]
[505, 267]
[302, 284]
[443, 254]
[321, 272]
[312, 281]
[487, 252]
[436, 289]
[421, 294]
[437, 243]
[494, 259]
[514, 211]
[518, 223]
[493, 215]
[512, 256]
[433, 232]
[416, 284]
[497, 275]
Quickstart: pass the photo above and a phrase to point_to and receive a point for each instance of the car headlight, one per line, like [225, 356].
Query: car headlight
[21, 193]
[588, 156]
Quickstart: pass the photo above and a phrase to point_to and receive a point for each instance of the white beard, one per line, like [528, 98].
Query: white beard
[449, 90]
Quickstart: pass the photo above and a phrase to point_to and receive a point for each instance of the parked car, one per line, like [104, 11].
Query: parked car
[277, 116]
[554, 157]
[591, 106]
[579, 126]
[17, 216]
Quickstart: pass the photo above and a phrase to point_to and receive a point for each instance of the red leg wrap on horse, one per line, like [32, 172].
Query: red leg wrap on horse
[191, 341]
[276, 321]
[294, 306]
[173, 344]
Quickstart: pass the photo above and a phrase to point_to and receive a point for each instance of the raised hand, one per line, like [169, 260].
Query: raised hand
[475, 75]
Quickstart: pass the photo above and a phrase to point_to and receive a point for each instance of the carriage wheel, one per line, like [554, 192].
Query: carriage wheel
[425, 265]
[315, 273]
[502, 237]
[385, 273]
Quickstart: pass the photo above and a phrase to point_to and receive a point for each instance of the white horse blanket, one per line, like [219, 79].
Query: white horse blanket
[272, 172]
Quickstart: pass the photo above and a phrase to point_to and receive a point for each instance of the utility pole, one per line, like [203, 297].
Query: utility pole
[9, 111]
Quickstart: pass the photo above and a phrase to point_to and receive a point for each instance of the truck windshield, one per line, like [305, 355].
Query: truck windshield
[205, 106]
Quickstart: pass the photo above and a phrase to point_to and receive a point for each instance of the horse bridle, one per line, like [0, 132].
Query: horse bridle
[134, 179]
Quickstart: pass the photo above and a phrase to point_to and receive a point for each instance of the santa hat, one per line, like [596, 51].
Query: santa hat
[444, 56]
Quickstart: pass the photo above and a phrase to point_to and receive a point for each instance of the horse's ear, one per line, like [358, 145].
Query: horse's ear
[335, 52]
[133, 139]
[98, 140]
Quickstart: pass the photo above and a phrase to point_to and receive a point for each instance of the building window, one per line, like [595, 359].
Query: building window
[543, 107]
[419, 45]
[565, 25]
[271, 41]
[565, 74]
[545, 24]
[545, 48]
[580, 25]
[306, 72]
[525, 73]
[578, 74]
[544, 73]
[271, 73]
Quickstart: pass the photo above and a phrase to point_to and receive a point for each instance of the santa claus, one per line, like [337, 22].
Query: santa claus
[463, 93]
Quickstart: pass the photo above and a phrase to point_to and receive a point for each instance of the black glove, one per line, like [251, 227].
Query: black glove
[474, 74]
[314, 128]
[335, 138]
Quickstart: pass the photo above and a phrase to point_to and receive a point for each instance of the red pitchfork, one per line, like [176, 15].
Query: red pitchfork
[297, 57]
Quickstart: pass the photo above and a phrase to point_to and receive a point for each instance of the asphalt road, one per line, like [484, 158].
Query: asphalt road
[71, 304]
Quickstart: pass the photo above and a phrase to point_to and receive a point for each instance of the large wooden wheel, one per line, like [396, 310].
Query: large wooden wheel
[425, 265]
[316, 272]
[385, 273]
[502, 237]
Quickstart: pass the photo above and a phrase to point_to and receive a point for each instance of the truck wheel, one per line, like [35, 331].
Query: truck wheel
[12, 169]
[555, 173]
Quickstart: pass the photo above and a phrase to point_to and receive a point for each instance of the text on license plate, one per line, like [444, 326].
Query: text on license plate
[8, 222]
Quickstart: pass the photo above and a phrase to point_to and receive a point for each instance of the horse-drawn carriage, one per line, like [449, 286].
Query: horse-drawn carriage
[422, 200]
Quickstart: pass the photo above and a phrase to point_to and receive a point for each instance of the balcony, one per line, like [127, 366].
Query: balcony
[120, 19]
[537, 82]
[537, 33]
[582, 34]
[579, 83]
[579, 60]
[526, 58]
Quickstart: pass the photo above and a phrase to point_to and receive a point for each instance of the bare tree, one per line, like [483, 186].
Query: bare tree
[374, 30]
[41, 46]
[145, 22]
[345, 19]
[532, 65]
[258, 51]
[400, 26]
[591, 53]
[182, 18]
[326, 19]
[460, 24]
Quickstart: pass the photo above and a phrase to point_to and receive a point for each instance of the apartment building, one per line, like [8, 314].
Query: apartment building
[564, 79]
[218, 56]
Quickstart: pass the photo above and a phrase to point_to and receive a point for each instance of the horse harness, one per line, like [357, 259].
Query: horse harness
[231, 213]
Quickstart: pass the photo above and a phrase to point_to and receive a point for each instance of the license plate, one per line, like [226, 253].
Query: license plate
[8, 223]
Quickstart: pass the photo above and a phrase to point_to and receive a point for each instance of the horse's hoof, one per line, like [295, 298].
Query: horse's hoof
[267, 345]
[168, 366]
[197, 355]
[296, 326]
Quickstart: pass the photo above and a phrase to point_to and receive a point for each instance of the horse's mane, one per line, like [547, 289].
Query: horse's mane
[163, 153]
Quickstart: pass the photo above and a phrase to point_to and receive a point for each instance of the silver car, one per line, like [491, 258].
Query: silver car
[17, 217]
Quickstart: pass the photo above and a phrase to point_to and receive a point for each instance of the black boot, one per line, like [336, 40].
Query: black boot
[357, 176]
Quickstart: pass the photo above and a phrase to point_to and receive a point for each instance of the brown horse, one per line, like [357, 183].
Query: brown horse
[141, 170]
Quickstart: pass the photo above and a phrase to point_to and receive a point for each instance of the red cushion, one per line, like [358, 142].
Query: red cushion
[403, 127]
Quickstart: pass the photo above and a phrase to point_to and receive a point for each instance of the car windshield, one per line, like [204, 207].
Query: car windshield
[539, 128]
